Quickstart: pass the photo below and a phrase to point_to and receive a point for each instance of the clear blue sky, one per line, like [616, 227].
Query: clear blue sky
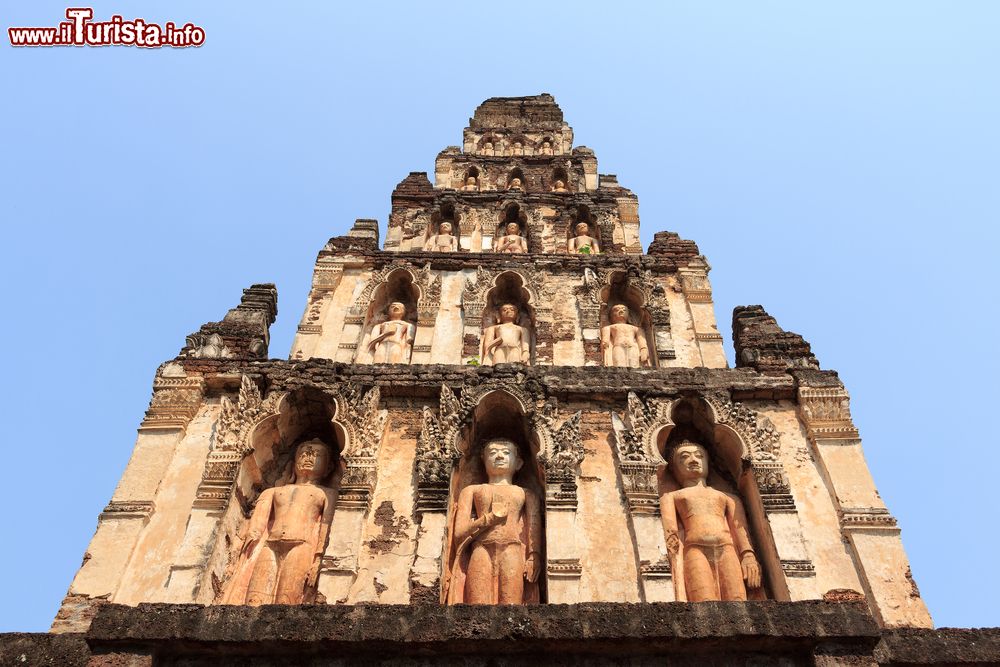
[837, 162]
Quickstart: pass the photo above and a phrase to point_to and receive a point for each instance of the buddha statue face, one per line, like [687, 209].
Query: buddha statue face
[500, 457]
[513, 229]
[583, 229]
[560, 185]
[471, 180]
[488, 146]
[689, 463]
[508, 312]
[619, 314]
[445, 229]
[546, 145]
[397, 310]
[312, 461]
[515, 182]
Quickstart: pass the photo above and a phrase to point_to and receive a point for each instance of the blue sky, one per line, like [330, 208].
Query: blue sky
[837, 162]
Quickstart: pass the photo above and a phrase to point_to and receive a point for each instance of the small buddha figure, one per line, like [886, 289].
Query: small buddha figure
[624, 344]
[392, 340]
[496, 536]
[488, 148]
[443, 241]
[546, 148]
[512, 241]
[515, 184]
[582, 240]
[506, 342]
[470, 184]
[285, 538]
[518, 148]
[559, 186]
[706, 532]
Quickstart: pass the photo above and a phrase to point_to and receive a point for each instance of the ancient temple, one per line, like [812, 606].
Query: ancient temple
[518, 428]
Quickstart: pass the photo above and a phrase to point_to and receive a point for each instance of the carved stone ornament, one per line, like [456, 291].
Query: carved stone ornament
[429, 285]
[174, 403]
[357, 413]
[826, 412]
[476, 290]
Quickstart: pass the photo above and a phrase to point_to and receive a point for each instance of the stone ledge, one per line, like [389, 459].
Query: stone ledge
[566, 381]
[40, 649]
[592, 633]
[953, 646]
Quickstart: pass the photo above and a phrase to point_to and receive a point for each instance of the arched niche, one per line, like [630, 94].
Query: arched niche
[730, 471]
[498, 414]
[473, 173]
[301, 415]
[517, 145]
[510, 287]
[521, 184]
[582, 214]
[398, 286]
[510, 213]
[559, 174]
[489, 145]
[618, 290]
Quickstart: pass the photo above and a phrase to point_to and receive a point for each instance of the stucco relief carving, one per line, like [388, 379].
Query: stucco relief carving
[826, 412]
[429, 286]
[174, 402]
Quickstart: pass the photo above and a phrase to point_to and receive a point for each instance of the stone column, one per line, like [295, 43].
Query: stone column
[698, 294]
[868, 527]
[640, 485]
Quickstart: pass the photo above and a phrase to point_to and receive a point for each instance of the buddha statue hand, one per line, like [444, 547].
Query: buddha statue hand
[751, 570]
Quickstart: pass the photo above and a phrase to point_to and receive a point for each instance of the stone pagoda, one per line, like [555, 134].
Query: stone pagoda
[507, 432]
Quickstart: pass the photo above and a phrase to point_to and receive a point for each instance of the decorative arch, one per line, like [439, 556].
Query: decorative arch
[426, 283]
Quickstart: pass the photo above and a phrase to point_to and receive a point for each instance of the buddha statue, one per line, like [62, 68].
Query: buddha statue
[496, 535]
[512, 241]
[392, 340]
[286, 535]
[624, 345]
[515, 184]
[507, 341]
[582, 240]
[443, 241]
[470, 184]
[559, 186]
[706, 533]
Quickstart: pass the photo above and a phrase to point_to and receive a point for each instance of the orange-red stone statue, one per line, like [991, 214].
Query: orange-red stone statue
[286, 535]
[496, 536]
[624, 344]
[392, 340]
[506, 342]
[706, 531]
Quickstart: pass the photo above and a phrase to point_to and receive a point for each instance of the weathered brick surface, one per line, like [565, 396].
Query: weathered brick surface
[763, 345]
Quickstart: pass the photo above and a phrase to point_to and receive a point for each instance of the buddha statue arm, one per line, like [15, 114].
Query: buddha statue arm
[465, 526]
[525, 345]
[668, 514]
[596, 247]
[261, 516]
[533, 515]
[737, 526]
[322, 534]
[640, 339]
